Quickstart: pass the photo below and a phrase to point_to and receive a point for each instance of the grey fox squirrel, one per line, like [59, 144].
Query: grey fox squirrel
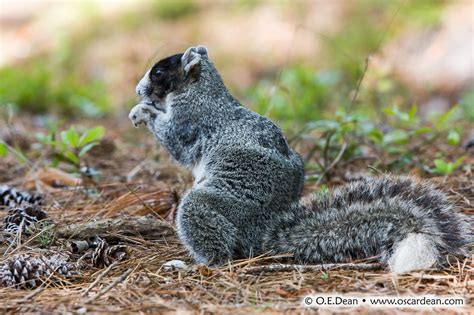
[248, 182]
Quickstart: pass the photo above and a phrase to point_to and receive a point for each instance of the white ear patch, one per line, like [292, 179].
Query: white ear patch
[192, 56]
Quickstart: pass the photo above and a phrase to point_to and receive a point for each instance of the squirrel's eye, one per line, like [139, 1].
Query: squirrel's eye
[158, 73]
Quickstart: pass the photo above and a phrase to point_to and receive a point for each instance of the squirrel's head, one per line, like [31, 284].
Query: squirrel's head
[171, 74]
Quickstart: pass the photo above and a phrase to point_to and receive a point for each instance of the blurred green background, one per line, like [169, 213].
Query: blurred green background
[84, 57]
[355, 71]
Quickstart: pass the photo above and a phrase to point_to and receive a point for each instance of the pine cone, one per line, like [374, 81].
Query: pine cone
[12, 197]
[28, 272]
[104, 255]
[24, 216]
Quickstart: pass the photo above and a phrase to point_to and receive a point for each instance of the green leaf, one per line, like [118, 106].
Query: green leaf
[388, 111]
[441, 165]
[458, 162]
[70, 137]
[395, 150]
[412, 112]
[20, 156]
[323, 125]
[3, 149]
[348, 127]
[325, 276]
[423, 130]
[376, 135]
[402, 116]
[443, 119]
[453, 137]
[71, 157]
[445, 168]
[86, 148]
[46, 139]
[396, 137]
[91, 135]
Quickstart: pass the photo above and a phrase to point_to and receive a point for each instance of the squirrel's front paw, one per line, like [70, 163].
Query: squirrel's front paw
[142, 114]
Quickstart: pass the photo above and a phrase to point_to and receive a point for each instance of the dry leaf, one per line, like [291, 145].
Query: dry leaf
[50, 179]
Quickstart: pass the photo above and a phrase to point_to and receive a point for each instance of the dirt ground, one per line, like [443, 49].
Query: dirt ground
[136, 179]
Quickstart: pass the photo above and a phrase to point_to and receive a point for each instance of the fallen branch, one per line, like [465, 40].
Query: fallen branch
[311, 268]
[146, 226]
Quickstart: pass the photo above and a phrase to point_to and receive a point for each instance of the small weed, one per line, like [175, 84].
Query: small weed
[325, 276]
[71, 146]
[46, 236]
[453, 138]
[3, 149]
[396, 144]
[467, 104]
[446, 168]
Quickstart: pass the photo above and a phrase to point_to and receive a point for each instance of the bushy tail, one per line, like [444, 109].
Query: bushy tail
[408, 224]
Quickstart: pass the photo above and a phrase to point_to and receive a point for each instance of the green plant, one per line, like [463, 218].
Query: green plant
[446, 168]
[453, 137]
[300, 95]
[334, 139]
[467, 104]
[325, 276]
[3, 149]
[45, 234]
[395, 144]
[71, 146]
[38, 88]
[17, 153]
[25, 88]
[408, 136]
[174, 9]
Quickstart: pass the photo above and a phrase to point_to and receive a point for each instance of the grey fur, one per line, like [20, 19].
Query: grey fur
[245, 199]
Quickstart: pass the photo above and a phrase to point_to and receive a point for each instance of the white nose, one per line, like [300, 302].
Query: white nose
[142, 86]
[140, 90]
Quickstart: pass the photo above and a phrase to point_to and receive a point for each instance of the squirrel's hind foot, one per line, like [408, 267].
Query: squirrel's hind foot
[207, 235]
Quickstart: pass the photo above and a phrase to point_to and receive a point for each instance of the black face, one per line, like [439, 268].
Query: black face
[165, 76]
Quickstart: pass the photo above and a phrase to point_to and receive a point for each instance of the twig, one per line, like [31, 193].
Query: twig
[147, 226]
[359, 83]
[110, 286]
[373, 168]
[34, 293]
[100, 277]
[360, 158]
[326, 147]
[143, 202]
[366, 66]
[334, 162]
[293, 140]
[311, 268]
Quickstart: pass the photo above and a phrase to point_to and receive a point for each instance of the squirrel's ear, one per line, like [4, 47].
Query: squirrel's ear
[192, 58]
[202, 50]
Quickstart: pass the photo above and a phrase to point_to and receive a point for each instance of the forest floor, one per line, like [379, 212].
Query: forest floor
[137, 179]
